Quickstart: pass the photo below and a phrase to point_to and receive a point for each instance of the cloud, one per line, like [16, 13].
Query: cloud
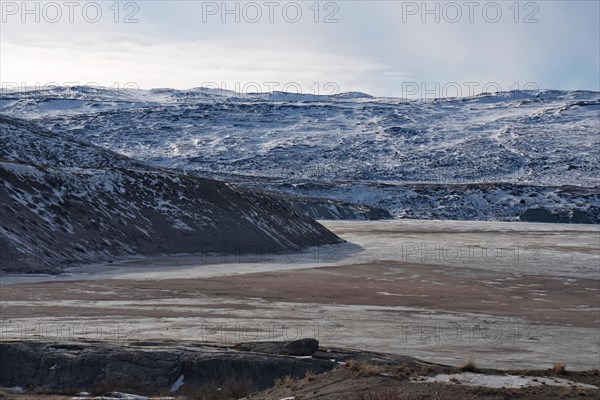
[370, 49]
[181, 64]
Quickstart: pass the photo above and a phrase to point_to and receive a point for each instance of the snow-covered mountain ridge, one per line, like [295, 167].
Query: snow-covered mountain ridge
[353, 147]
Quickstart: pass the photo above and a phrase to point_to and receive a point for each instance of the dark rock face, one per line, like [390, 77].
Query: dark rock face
[301, 347]
[75, 367]
[579, 217]
[593, 213]
[261, 347]
[322, 208]
[92, 205]
[335, 210]
[538, 215]
[565, 216]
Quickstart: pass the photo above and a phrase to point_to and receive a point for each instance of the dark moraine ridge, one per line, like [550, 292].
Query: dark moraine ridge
[66, 202]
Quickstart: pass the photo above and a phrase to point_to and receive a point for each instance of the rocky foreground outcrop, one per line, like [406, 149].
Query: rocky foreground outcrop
[145, 367]
[66, 202]
[264, 371]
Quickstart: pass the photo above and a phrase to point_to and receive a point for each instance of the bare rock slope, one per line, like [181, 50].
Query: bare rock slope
[66, 202]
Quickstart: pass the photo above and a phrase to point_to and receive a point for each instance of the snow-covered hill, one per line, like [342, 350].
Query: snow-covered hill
[426, 159]
[64, 202]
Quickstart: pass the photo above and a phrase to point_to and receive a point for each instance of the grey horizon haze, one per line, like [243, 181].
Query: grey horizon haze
[384, 48]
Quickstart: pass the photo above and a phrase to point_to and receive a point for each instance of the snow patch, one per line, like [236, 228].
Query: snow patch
[177, 384]
[500, 381]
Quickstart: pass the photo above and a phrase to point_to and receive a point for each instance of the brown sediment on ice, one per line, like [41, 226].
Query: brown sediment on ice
[385, 283]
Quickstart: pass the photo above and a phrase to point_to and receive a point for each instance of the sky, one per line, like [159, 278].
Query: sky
[384, 48]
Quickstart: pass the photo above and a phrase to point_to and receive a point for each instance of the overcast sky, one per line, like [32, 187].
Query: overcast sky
[386, 48]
